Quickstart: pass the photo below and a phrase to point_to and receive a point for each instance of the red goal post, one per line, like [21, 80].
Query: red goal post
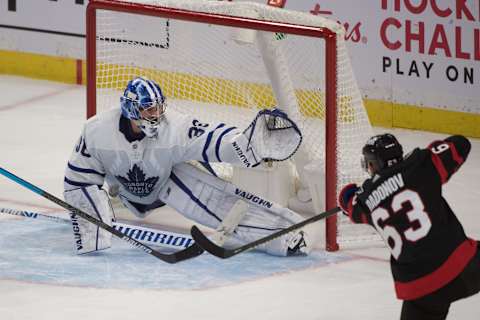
[99, 69]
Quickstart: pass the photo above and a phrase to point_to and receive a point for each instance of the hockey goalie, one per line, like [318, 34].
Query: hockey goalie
[140, 153]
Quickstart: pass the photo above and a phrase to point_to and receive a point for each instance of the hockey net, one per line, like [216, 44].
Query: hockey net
[223, 61]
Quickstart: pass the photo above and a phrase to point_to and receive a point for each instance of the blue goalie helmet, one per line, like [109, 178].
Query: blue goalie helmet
[144, 103]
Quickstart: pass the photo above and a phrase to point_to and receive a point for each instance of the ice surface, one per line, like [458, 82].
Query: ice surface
[41, 251]
[40, 278]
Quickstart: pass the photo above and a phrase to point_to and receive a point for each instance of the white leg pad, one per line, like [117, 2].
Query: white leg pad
[95, 202]
[202, 198]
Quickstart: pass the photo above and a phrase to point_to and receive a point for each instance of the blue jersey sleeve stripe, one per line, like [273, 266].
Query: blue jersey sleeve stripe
[77, 169]
[76, 183]
[189, 192]
[219, 142]
[209, 140]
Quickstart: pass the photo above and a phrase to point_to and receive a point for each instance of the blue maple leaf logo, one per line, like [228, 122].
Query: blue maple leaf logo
[136, 182]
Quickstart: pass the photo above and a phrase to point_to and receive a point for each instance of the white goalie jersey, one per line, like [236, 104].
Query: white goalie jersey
[147, 173]
[140, 167]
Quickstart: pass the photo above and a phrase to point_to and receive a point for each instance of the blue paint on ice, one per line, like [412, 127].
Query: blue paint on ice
[41, 252]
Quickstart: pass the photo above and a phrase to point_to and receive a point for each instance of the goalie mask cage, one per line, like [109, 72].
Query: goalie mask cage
[223, 61]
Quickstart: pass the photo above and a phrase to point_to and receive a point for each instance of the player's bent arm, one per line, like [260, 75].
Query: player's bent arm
[84, 177]
[78, 177]
[272, 135]
[83, 168]
[222, 144]
[358, 215]
[460, 145]
[347, 200]
[449, 155]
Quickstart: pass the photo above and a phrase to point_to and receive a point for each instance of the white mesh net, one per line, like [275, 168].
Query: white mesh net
[223, 73]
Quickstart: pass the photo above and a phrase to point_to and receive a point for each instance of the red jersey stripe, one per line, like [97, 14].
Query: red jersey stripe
[448, 271]
[458, 159]
[437, 162]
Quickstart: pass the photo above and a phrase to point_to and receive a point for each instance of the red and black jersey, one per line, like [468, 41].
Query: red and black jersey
[404, 203]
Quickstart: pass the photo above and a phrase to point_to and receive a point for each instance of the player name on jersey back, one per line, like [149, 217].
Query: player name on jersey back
[384, 190]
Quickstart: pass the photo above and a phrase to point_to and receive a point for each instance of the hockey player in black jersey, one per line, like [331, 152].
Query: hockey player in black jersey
[433, 262]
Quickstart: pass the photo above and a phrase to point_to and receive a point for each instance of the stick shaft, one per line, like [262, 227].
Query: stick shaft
[146, 235]
[134, 243]
[224, 253]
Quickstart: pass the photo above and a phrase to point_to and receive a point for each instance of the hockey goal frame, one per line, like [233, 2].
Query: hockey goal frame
[329, 36]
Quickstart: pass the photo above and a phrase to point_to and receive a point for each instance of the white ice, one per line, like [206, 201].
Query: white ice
[40, 122]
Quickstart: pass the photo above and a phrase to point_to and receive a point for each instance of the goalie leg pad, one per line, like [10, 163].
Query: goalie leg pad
[87, 236]
[199, 196]
[260, 222]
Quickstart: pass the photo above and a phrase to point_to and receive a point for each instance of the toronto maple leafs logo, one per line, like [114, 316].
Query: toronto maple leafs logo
[136, 183]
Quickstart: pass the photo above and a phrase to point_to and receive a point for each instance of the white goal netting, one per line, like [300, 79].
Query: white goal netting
[227, 73]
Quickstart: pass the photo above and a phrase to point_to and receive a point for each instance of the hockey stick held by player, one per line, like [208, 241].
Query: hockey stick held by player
[139, 152]
[433, 262]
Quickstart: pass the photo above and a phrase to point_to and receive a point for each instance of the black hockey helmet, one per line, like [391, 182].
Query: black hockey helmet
[381, 151]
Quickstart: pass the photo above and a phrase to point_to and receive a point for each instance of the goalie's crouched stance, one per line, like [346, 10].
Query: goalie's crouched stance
[87, 236]
[203, 198]
[142, 148]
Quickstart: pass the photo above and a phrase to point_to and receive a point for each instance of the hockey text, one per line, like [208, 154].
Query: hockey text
[253, 198]
[384, 190]
[241, 155]
[155, 237]
[76, 233]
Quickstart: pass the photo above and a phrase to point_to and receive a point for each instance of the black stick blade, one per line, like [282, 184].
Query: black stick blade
[224, 253]
[209, 246]
[188, 253]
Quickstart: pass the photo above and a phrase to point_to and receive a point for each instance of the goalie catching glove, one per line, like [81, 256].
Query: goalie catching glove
[87, 236]
[272, 136]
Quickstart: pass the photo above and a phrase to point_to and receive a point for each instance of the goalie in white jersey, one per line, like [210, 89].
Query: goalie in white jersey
[141, 149]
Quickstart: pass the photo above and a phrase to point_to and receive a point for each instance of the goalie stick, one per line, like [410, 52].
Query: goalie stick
[146, 235]
[223, 231]
[190, 252]
[225, 253]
